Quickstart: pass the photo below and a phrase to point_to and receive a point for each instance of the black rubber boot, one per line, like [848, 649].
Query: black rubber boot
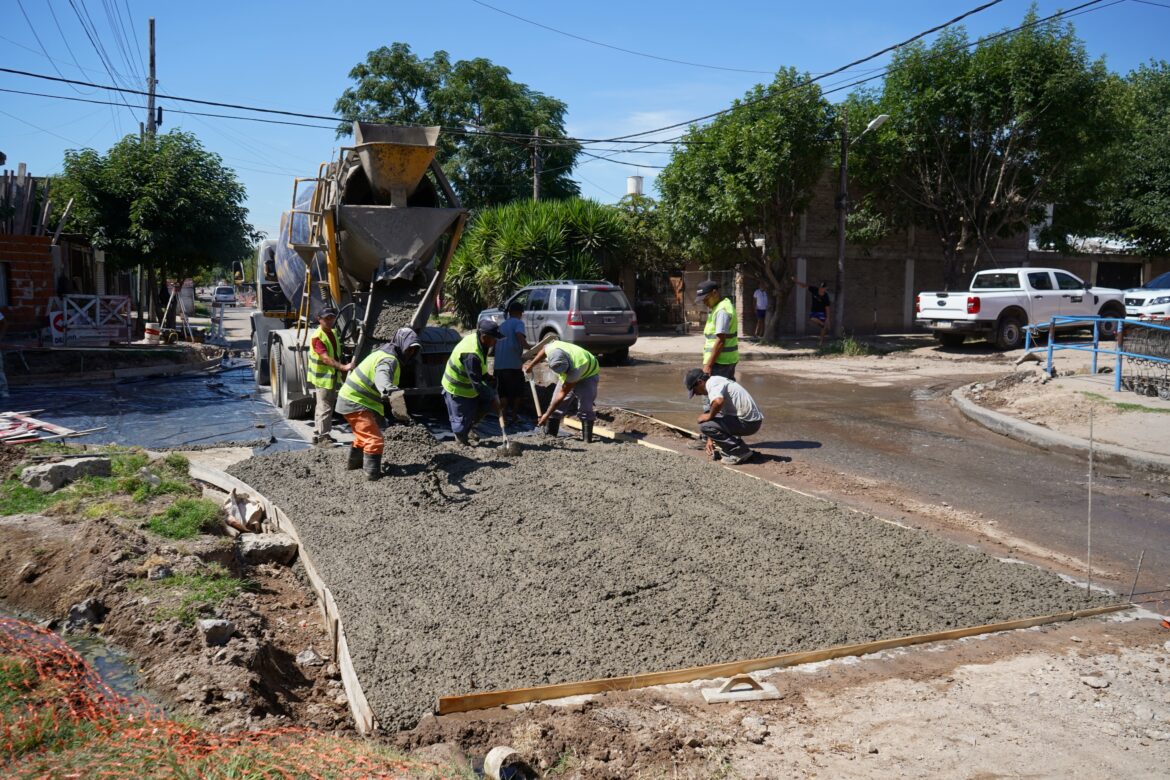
[587, 431]
[553, 426]
[372, 465]
[355, 459]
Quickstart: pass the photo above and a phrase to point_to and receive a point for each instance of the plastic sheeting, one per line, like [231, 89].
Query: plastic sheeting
[200, 410]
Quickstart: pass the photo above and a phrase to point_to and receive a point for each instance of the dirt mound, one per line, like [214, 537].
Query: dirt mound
[464, 571]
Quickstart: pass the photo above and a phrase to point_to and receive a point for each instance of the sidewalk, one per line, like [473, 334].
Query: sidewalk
[682, 347]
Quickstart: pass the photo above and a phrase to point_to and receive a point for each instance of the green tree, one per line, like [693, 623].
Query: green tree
[506, 247]
[163, 202]
[647, 246]
[1137, 208]
[395, 85]
[747, 175]
[982, 138]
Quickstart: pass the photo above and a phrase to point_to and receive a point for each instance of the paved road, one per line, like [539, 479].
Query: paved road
[903, 433]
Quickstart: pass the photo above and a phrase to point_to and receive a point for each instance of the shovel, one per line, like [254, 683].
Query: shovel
[509, 448]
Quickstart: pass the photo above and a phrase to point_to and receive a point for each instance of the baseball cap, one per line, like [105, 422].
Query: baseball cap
[693, 377]
[704, 290]
[328, 311]
[489, 328]
[559, 362]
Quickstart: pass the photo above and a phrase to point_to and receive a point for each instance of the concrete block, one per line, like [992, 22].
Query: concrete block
[48, 477]
[267, 548]
[216, 632]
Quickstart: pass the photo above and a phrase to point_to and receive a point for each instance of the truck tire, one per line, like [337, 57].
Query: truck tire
[1108, 330]
[622, 356]
[1009, 332]
[259, 365]
[950, 340]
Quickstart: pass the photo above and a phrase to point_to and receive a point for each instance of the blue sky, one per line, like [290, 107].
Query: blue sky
[296, 56]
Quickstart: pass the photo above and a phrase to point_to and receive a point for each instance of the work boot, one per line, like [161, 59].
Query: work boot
[355, 459]
[322, 440]
[587, 431]
[372, 465]
[552, 426]
[463, 439]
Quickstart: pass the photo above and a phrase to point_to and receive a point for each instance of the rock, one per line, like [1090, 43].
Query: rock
[1093, 681]
[84, 615]
[159, 572]
[309, 658]
[29, 572]
[755, 729]
[146, 476]
[116, 557]
[216, 632]
[266, 548]
[48, 477]
[236, 697]
[332, 672]
[447, 756]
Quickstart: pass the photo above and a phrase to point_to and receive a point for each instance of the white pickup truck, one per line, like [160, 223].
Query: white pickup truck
[1002, 301]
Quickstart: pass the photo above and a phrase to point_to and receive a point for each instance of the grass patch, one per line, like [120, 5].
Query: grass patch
[185, 519]
[16, 498]
[1123, 406]
[847, 347]
[184, 597]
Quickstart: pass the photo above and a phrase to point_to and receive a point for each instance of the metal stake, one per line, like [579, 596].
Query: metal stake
[1089, 530]
[1135, 575]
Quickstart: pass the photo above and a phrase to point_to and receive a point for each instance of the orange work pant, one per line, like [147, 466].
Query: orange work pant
[367, 434]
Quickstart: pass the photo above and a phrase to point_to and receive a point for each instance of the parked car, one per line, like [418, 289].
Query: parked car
[224, 294]
[593, 314]
[1002, 301]
[1152, 299]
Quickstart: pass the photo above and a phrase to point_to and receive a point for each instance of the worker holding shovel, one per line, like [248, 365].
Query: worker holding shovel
[466, 391]
[362, 399]
[578, 376]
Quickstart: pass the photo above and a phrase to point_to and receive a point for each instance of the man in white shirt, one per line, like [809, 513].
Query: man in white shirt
[733, 415]
[761, 309]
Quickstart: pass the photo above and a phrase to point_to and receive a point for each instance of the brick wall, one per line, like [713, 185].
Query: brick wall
[29, 263]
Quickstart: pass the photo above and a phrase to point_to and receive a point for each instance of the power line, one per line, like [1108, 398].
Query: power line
[40, 43]
[1150, 2]
[616, 48]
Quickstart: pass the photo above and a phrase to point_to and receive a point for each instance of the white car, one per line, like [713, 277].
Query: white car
[224, 294]
[1152, 299]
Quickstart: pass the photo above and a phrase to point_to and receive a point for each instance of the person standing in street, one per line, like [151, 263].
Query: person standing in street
[733, 415]
[820, 310]
[578, 375]
[721, 334]
[761, 298]
[324, 372]
[362, 400]
[509, 378]
[466, 391]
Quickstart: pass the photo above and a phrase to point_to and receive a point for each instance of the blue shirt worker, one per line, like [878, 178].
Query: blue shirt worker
[466, 391]
[510, 347]
[733, 415]
[578, 375]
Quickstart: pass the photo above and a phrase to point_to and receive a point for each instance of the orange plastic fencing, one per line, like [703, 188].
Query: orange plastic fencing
[59, 720]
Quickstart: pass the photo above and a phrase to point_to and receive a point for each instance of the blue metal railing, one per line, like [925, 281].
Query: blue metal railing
[1117, 352]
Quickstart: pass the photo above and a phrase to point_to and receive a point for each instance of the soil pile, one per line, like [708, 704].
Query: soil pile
[463, 571]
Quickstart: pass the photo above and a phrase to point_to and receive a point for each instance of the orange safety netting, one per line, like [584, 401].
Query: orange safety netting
[59, 720]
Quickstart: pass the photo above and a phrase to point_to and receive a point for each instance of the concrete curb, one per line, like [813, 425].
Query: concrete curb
[1046, 439]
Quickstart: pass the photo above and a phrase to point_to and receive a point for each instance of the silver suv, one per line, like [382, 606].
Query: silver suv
[592, 314]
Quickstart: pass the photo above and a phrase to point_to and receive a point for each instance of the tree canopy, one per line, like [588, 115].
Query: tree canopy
[748, 174]
[161, 201]
[506, 247]
[983, 136]
[394, 84]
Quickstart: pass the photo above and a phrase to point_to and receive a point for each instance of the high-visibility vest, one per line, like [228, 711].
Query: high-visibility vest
[455, 379]
[578, 357]
[317, 372]
[359, 386]
[730, 352]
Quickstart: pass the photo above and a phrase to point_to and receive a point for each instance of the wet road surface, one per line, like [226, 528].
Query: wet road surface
[902, 431]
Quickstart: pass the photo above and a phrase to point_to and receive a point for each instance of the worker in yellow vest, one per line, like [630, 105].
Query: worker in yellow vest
[721, 334]
[324, 371]
[578, 376]
[466, 391]
[362, 400]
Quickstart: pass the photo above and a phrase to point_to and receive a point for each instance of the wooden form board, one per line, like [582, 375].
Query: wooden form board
[476, 701]
[277, 520]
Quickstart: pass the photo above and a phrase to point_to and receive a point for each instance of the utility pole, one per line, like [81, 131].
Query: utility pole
[838, 303]
[536, 165]
[150, 84]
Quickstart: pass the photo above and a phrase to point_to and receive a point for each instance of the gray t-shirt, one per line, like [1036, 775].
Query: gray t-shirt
[722, 323]
[736, 401]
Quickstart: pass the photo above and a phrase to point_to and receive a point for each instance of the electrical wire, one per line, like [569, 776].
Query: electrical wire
[618, 48]
[33, 29]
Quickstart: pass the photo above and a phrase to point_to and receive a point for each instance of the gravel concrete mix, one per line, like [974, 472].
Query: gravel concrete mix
[464, 571]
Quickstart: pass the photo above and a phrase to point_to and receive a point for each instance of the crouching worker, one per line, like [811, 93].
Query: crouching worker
[466, 392]
[362, 400]
[578, 376]
[733, 415]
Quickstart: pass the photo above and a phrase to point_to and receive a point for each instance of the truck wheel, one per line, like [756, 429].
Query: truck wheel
[1108, 330]
[275, 372]
[950, 340]
[1009, 332]
[622, 356]
[259, 365]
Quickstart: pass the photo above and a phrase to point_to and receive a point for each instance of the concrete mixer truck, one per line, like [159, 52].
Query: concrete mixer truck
[372, 235]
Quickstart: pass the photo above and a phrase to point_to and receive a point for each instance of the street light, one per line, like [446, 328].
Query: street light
[843, 211]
